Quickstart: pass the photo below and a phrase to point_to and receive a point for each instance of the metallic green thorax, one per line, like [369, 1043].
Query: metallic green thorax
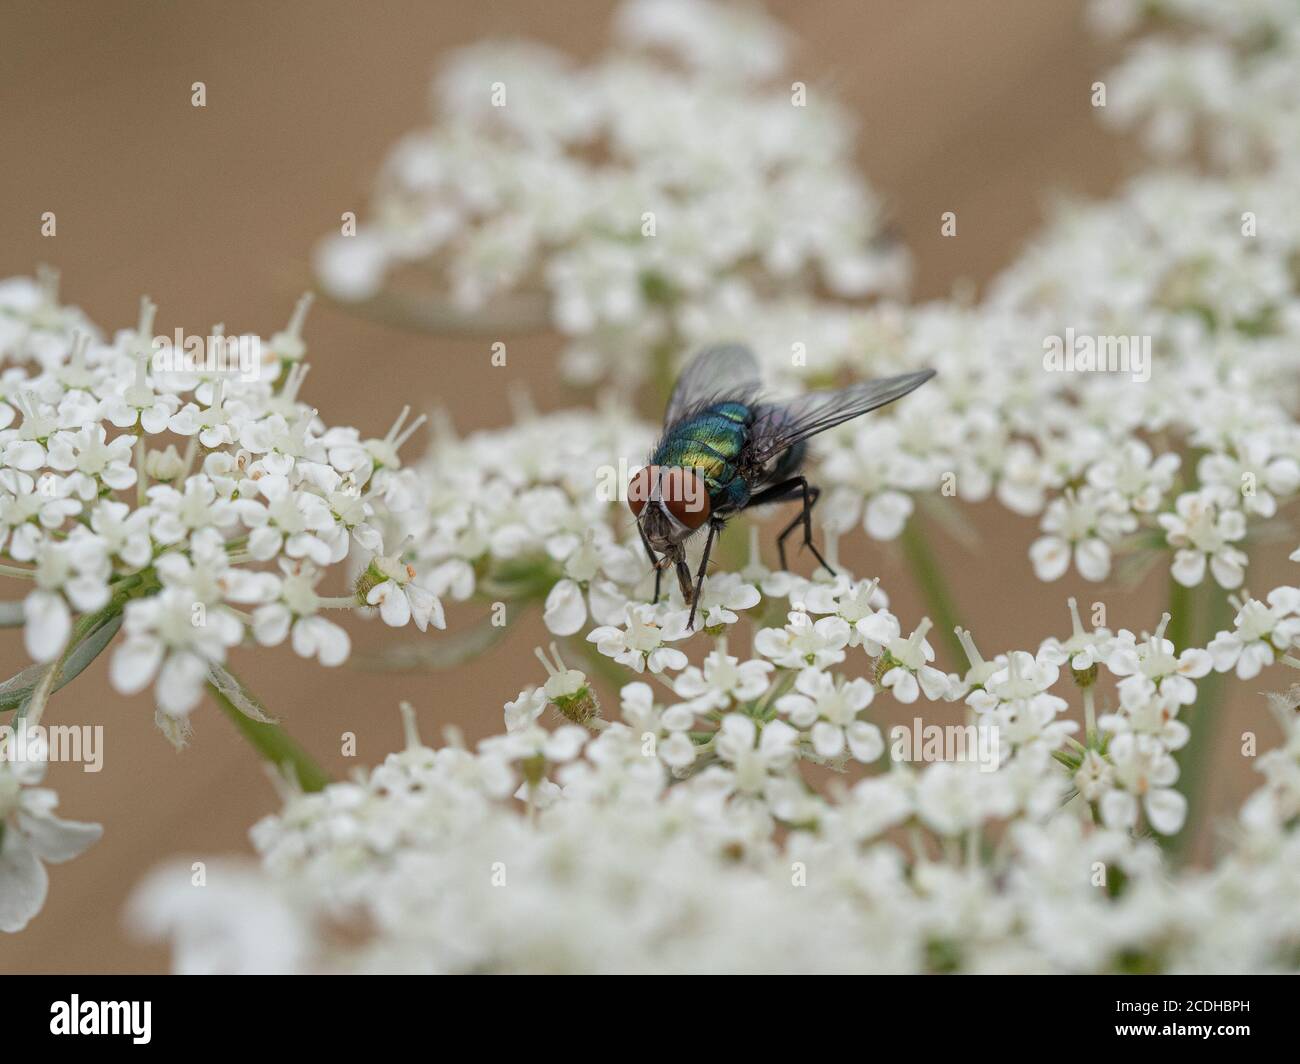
[710, 442]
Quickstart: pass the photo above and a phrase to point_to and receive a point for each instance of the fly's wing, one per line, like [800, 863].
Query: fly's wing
[779, 426]
[722, 372]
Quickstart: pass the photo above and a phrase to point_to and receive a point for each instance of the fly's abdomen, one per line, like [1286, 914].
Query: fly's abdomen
[709, 442]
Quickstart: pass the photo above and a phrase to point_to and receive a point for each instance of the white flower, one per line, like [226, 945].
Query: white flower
[868, 475]
[720, 596]
[804, 641]
[1022, 678]
[31, 834]
[399, 598]
[954, 797]
[1148, 713]
[1260, 633]
[907, 663]
[980, 670]
[639, 644]
[541, 750]
[1254, 472]
[92, 462]
[753, 756]
[1082, 649]
[669, 726]
[524, 711]
[1152, 665]
[1144, 775]
[73, 571]
[295, 611]
[1079, 525]
[176, 638]
[565, 611]
[1133, 479]
[863, 606]
[722, 681]
[1203, 531]
[1032, 722]
[506, 209]
[177, 515]
[104, 522]
[290, 521]
[829, 712]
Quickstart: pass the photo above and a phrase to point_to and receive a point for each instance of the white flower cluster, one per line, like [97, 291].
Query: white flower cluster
[1192, 324]
[1183, 289]
[685, 835]
[629, 196]
[530, 512]
[198, 506]
[1222, 76]
[1128, 382]
[534, 511]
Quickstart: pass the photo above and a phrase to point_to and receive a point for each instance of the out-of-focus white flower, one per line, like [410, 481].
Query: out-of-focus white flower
[1144, 777]
[1202, 531]
[753, 755]
[1080, 526]
[31, 835]
[717, 183]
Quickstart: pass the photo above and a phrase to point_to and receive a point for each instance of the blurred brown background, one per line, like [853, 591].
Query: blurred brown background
[977, 106]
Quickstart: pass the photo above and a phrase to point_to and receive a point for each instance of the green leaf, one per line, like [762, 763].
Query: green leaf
[11, 614]
[17, 689]
[238, 695]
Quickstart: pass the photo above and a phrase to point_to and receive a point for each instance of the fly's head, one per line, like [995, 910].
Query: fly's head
[671, 503]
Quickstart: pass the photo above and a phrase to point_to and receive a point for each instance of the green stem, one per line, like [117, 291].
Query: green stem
[934, 589]
[1090, 717]
[1203, 612]
[1182, 616]
[271, 741]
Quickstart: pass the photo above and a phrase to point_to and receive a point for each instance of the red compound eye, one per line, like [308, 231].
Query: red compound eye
[640, 486]
[682, 492]
[685, 496]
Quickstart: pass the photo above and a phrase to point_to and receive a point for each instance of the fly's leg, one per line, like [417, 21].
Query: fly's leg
[684, 581]
[649, 553]
[794, 488]
[811, 494]
[714, 528]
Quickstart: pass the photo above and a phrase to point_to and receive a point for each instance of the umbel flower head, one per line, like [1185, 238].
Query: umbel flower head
[684, 837]
[678, 177]
[191, 497]
[746, 803]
